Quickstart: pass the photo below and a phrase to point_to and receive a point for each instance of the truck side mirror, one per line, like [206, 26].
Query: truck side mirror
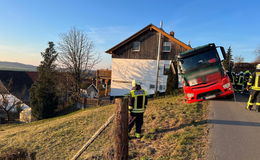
[223, 52]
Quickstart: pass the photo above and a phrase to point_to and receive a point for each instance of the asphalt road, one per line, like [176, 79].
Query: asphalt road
[234, 131]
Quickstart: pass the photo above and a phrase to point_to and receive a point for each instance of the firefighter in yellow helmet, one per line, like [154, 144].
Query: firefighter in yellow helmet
[254, 84]
[137, 105]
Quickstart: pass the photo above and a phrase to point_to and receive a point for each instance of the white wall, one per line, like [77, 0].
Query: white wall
[11, 100]
[125, 70]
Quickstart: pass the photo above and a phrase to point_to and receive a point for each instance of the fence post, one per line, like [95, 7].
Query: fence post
[121, 129]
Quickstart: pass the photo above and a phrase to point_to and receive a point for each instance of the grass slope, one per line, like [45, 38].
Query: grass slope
[172, 130]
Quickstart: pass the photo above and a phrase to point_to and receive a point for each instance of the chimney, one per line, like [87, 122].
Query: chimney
[172, 33]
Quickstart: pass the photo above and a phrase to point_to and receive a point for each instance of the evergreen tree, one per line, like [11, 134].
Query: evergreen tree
[228, 62]
[43, 94]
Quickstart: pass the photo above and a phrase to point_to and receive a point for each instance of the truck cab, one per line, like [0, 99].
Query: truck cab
[203, 74]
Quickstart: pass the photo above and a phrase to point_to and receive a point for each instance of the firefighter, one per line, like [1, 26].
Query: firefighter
[236, 77]
[247, 74]
[254, 84]
[137, 105]
[233, 79]
[240, 82]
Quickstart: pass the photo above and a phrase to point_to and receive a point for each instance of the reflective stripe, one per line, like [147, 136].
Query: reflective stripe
[240, 82]
[249, 101]
[258, 104]
[248, 83]
[130, 107]
[135, 111]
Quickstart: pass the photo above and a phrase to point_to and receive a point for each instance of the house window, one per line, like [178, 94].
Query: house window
[166, 69]
[136, 46]
[152, 86]
[162, 87]
[166, 46]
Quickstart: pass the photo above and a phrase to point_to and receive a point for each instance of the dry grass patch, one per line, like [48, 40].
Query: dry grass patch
[57, 138]
[172, 130]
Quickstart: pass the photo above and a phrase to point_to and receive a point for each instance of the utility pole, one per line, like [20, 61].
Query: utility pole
[158, 59]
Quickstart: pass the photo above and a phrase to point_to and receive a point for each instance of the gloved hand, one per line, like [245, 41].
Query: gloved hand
[130, 108]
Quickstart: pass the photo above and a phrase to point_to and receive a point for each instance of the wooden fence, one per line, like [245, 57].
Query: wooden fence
[94, 102]
[120, 135]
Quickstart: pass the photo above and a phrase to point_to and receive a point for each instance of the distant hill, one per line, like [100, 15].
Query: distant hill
[15, 66]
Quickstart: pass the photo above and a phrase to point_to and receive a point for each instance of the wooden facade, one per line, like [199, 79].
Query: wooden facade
[148, 38]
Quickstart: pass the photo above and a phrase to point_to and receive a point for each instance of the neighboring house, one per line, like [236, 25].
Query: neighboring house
[103, 82]
[4, 93]
[92, 91]
[136, 58]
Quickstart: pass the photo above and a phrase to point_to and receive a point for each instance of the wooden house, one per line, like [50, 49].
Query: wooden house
[103, 81]
[92, 91]
[136, 58]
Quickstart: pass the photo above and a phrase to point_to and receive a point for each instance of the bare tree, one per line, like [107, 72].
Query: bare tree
[239, 59]
[8, 102]
[76, 54]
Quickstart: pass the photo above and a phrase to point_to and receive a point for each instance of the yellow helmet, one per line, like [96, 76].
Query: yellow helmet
[134, 83]
[258, 66]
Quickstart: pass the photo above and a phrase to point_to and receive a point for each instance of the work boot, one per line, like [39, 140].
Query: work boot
[249, 108]
[138, 135]
[258, 109]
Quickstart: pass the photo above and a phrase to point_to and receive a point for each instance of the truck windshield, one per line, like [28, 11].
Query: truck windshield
[199, 60]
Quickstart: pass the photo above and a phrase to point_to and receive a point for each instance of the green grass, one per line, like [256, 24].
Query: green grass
[172, 130]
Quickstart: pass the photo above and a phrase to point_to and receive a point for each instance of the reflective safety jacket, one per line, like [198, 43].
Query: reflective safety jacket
[233, 78]
[240, 79]
[138, 101]
[254, 81]
[247, 75]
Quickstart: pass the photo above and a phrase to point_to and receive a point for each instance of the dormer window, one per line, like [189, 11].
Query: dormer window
[166, 46]
[136, 46]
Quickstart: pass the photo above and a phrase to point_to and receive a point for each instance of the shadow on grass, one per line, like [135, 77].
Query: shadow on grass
[218, 122]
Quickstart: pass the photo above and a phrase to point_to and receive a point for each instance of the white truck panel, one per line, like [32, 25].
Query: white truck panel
[125, 70]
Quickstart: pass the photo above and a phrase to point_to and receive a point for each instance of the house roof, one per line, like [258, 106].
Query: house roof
[149, 27]
[3, 90]
[92, 86]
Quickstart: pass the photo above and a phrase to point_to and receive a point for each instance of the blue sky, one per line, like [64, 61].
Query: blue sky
[27, 25]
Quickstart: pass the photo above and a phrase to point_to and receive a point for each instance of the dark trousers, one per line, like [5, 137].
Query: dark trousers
[254, 98]
[137, 120]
